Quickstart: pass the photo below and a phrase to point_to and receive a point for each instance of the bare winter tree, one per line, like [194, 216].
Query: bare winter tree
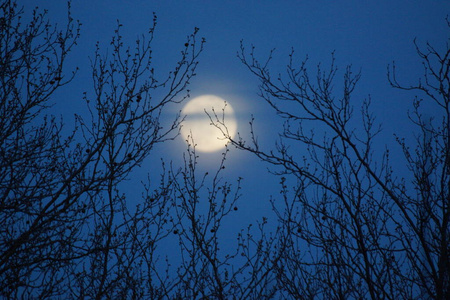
[65, 227]
[350, 225]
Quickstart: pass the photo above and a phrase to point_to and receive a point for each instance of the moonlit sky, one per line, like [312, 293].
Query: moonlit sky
[367, 34]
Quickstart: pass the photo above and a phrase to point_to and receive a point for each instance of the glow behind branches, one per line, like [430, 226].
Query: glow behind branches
[197, 125]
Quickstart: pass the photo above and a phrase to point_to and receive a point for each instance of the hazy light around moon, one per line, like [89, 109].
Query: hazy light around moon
[197, 124]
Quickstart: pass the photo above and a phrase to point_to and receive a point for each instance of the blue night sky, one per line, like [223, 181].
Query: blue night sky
[367, 34]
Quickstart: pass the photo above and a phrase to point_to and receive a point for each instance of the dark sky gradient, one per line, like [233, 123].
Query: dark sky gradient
[367, 34]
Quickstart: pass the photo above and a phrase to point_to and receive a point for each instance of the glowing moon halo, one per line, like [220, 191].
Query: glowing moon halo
[197, 125]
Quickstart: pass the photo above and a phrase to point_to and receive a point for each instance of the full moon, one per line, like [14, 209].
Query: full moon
[197, 125]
